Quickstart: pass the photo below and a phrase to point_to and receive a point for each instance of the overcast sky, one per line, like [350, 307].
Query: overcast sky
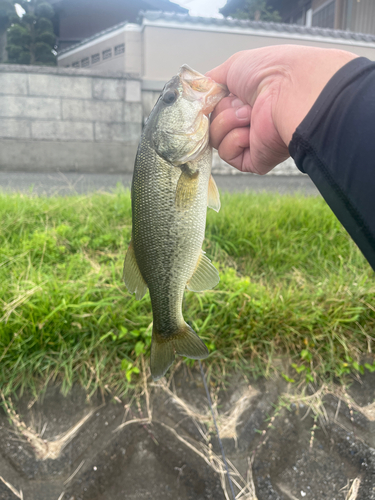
[204, 8]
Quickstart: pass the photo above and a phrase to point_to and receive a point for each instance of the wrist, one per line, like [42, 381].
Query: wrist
[299, 90]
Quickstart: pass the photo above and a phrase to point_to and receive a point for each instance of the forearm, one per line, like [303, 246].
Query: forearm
[335, 146]
[300, 84]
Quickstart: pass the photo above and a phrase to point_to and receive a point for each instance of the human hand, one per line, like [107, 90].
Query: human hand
[273, 89]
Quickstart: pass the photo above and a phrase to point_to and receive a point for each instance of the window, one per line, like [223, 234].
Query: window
[308, 21]
[95, 58]
[107, 53]
[324, 17]
[85, 62]
[119, 49]
[75, 64]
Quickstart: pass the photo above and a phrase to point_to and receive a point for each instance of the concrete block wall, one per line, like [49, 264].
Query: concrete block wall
[56, 119]
[149, 98]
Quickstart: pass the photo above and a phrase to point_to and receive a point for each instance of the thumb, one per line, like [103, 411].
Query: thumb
[234, 73]
[220, 73]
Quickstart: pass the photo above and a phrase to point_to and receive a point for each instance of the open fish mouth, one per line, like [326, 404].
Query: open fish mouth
[201, 88]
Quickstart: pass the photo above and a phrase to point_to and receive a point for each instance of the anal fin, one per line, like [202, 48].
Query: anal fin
[205, 275]
[213, 195]
[132, 275]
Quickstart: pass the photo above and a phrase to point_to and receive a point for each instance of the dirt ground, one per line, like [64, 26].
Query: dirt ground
[280, 445]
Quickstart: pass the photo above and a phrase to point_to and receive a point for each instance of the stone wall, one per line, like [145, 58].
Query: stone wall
[54, 119]
[75, 120]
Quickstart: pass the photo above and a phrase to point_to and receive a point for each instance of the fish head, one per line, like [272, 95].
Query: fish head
[179, 123]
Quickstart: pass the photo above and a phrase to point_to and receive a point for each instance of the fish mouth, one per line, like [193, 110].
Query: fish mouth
[201, 88]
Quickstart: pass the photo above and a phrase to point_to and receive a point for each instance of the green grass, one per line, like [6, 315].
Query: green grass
[292, 283]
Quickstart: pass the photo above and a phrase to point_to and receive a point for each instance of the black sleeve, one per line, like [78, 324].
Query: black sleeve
[335, 146]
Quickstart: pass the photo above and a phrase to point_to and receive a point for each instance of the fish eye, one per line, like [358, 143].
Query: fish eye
[170, 97]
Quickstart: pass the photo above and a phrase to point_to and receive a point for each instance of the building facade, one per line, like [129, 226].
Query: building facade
[156, 48]
[76, 20]
[348, 15]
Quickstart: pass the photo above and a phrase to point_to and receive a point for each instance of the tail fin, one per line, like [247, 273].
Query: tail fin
[185, 343]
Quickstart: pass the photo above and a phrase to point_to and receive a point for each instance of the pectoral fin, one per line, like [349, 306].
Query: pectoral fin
[204, 277]
[187, 187]
[132, 275]
[213, 195]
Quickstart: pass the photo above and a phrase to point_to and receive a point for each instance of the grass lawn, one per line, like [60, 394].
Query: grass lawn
[293, 285]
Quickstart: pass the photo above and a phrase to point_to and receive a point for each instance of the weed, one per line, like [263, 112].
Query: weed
[292, 283]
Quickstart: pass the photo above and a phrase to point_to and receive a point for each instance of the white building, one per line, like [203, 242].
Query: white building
[155, 49]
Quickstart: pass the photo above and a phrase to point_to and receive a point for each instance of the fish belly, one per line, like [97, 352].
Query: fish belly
[167, 240]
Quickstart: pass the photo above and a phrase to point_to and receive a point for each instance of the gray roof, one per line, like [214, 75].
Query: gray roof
[234, 23]
[259, 25]
[94, 37]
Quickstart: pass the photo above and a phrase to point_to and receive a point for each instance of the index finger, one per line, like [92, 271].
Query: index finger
[222, 105]
[220, 73]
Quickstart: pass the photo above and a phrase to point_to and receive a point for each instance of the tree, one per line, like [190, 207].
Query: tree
[31, 39]
[255, 10]
[7, 12]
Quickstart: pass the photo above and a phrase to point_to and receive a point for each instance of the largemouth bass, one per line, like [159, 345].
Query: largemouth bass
[171, 189]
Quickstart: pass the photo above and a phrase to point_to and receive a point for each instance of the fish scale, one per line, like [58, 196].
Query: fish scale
[170, 247]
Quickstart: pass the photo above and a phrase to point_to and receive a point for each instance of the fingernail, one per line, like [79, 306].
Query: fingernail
[242, 112]
[236, 103]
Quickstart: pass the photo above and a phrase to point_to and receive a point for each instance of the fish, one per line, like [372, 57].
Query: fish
[171, 188]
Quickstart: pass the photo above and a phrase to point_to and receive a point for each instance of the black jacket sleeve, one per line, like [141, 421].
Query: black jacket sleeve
[335, 146]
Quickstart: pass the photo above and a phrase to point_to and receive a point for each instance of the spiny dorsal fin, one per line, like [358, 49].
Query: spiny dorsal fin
[205, 275]
[132, 275]
[213, 195]
[187, 187]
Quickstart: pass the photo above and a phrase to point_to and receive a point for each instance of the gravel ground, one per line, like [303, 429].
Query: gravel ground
[314, 447]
